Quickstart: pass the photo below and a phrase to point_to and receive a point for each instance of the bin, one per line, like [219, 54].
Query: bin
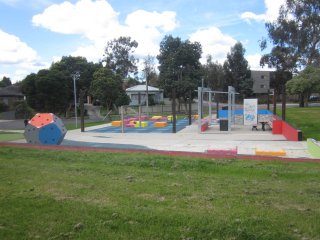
[223, 125]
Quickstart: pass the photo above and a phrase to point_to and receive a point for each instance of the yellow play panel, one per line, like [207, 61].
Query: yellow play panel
[137, 124]
[267, 152]
[160, 124]
[116, 123]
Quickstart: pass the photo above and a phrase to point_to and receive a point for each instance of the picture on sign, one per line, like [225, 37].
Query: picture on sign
[250, 111]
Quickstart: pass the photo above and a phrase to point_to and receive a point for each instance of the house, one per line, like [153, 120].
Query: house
[11, 94]
[261, 81]
[138, 92]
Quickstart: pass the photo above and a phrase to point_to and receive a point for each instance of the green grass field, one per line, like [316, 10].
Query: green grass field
[72, 126]
[89, 195]
[306, 119]
[10, 136]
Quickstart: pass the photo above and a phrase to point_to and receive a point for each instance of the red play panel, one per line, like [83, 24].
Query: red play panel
[41, 119]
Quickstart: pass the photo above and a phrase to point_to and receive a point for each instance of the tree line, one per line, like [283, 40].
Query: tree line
[51, 90]
[295, 41]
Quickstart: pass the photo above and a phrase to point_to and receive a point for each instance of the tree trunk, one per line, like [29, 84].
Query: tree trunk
[275, 92]
[268, 99]
[174, 120]
[82, 94]
[186, 106]
[284, 101]
[301, 100]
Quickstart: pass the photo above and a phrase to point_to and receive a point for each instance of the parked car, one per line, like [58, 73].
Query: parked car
[314, 98]
[96, 102]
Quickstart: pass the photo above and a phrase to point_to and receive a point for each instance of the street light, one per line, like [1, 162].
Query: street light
[75, 77]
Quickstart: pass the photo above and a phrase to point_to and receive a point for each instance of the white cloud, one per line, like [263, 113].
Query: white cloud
[98, 22]
[16, 54]
[254, 61]
[141, 18]
[271, 14]
[18, 72]
[213, 42]
[14, 51]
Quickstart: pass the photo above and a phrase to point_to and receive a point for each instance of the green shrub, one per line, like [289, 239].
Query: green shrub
[23, 111]
[3, 107]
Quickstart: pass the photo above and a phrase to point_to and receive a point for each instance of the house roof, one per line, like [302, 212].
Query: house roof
[142, 88]
[11, 91]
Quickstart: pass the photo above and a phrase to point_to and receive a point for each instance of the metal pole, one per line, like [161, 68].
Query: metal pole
[201, 99]
[122, 119]
[210, 111]
[75, 98]
[139, 116]
[199, 109]
[229, 110]
[147, 96]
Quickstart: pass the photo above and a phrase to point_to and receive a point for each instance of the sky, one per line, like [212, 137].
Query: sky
[36, 33]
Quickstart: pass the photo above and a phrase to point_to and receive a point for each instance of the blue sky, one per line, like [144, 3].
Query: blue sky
[35, 33]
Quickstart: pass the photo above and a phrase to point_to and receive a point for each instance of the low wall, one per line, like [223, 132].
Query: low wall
[282, 127]
[204, 126]
[313, 147]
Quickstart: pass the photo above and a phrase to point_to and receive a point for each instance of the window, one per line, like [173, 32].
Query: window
[262, 76]
[262, 86]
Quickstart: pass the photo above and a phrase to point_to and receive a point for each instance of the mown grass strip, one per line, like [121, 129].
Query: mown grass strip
[50, 194]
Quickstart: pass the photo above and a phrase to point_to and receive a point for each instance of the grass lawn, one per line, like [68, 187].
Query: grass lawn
[89, 195]
[10, 136]
[306, 119]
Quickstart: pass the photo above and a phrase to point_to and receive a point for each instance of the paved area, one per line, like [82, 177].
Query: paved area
[242, 138]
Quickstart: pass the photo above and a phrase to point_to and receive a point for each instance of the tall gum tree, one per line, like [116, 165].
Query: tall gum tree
[295, 37]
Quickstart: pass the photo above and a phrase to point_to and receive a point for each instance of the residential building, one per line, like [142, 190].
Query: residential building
[261, 81]
[11, 94]
[138, 94]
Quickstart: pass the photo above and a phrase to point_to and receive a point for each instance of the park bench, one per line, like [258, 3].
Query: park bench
[269, 123]
[254, 127]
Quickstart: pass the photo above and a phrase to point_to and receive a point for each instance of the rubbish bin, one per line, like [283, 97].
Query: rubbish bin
[223, 125]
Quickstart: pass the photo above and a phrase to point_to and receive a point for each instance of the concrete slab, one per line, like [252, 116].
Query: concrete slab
[241, 138]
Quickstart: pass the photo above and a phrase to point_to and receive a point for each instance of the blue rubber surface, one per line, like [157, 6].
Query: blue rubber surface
[181, 124]
[224, 113]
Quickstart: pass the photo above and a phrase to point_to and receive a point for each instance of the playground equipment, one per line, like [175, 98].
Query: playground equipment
[133, 119]
[203, 124]
[45, 128]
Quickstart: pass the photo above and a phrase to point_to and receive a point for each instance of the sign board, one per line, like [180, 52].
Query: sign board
[250, 111]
